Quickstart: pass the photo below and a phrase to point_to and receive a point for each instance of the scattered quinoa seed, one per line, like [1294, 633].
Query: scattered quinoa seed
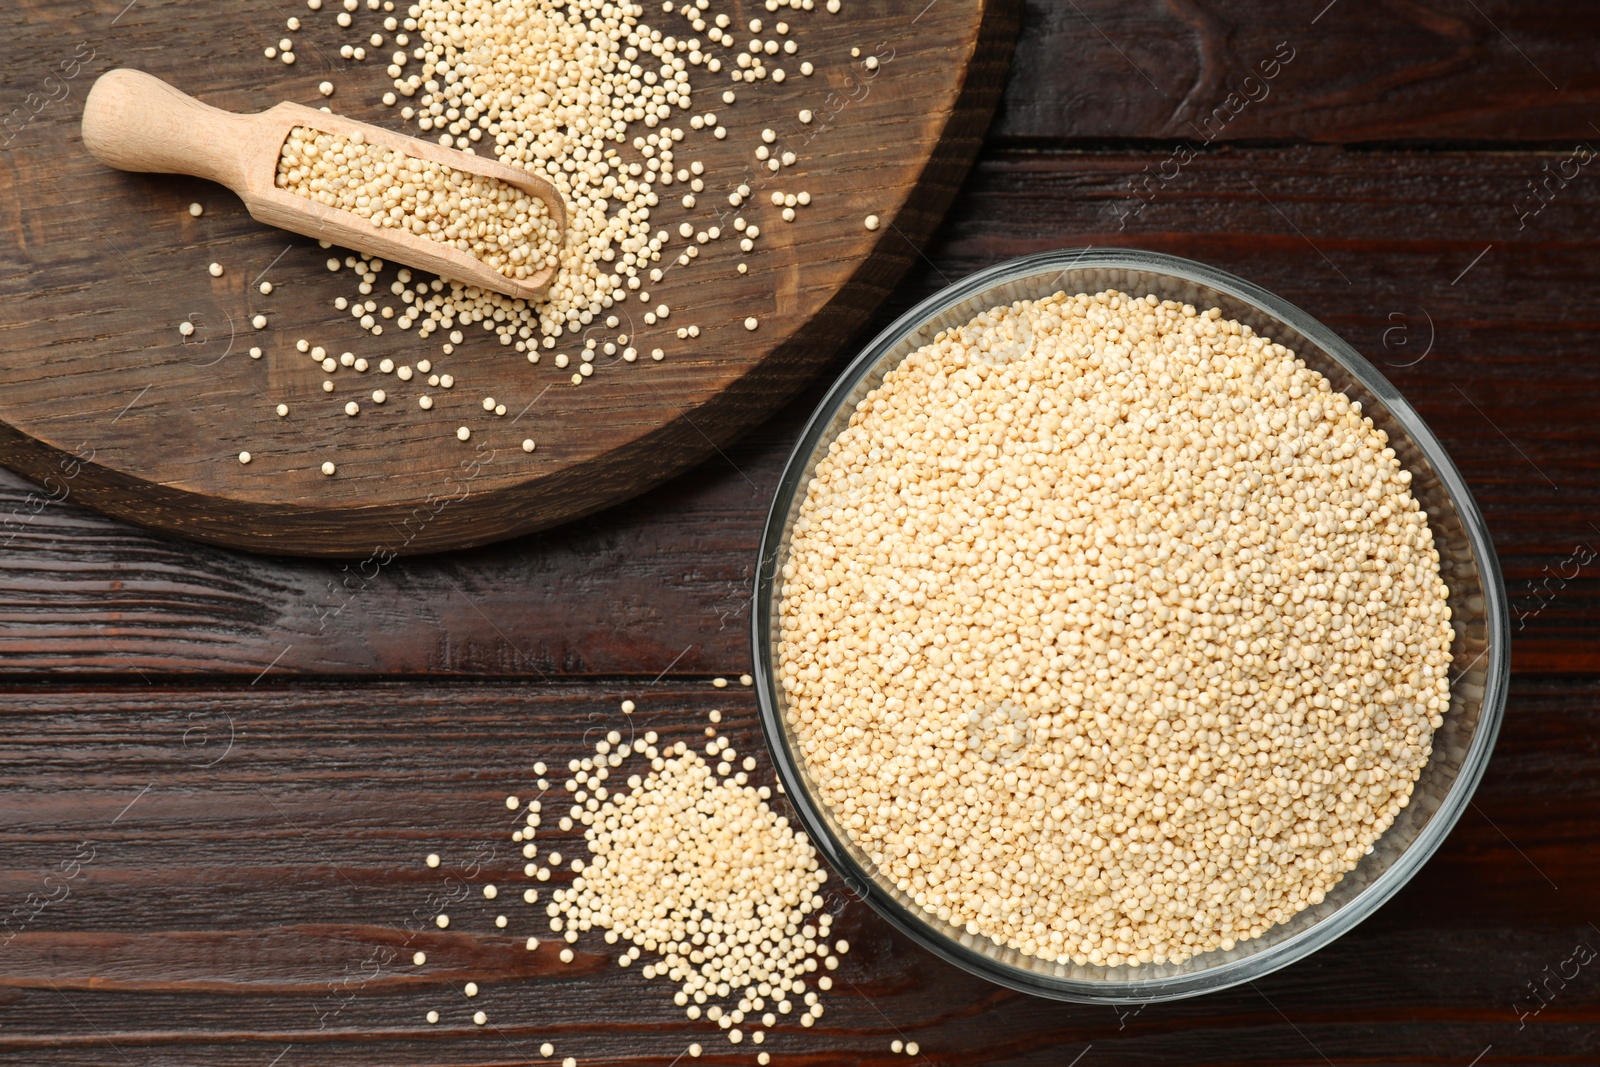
[872, 222]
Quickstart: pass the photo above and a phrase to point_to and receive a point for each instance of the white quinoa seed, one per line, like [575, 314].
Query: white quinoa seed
[657, 867]
[244, 457]
[873, 222]
[1108, 729]
[330, 470]
[509, 230]
[196, 210]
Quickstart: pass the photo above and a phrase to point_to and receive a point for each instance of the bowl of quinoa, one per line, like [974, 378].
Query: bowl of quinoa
[1121, 634]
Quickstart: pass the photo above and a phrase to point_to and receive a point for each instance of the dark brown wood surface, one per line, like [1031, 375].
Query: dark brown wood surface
[96, 380]
[293, 735]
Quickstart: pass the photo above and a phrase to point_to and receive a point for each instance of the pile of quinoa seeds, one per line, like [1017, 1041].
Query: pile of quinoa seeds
[607, 107]
[691, 873]
[1110, 632]
[510, 231]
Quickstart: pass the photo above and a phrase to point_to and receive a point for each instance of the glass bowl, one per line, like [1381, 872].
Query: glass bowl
[1461, 747]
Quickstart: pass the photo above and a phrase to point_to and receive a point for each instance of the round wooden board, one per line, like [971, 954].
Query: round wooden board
[103, 402]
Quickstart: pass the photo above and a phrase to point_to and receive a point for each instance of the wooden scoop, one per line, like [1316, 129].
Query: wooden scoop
[133, 121]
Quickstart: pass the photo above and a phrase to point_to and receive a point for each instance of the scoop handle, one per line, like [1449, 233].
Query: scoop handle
[136, 121]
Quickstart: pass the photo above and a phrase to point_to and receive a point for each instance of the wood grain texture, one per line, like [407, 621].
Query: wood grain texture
[1497, 363]
[266, 892]
[236, 912]
[1362, 70]
[95, 376]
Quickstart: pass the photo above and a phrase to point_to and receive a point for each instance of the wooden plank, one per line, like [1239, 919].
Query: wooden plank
[1484, 326]
[234, 901]
[96, 379]
[1345, 71]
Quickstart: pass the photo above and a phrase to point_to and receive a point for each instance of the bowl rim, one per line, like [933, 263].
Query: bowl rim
[1234, 972]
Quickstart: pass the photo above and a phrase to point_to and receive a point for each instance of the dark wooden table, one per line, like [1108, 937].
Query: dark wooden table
[219, 772]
